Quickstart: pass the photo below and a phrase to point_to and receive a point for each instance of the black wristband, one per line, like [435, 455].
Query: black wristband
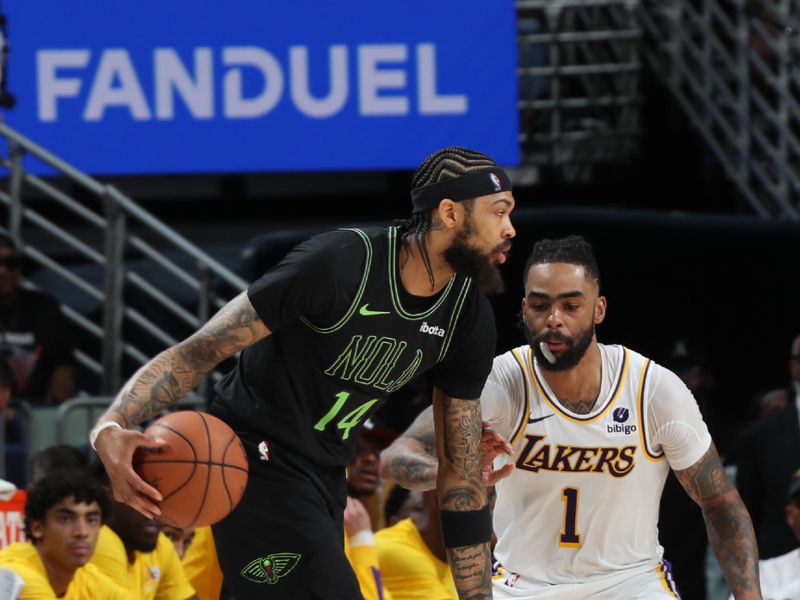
[466, 528]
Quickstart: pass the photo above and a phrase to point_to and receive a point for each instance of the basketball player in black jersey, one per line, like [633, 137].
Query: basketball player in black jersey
[344, 320]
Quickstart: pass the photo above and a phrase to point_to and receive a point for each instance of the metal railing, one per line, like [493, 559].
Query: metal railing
[76, 417]
[578, 78]
[733, 67]
[66, 423]
[123, 230]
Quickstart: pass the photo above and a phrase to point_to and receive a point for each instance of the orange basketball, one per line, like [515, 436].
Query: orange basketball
[201, 471]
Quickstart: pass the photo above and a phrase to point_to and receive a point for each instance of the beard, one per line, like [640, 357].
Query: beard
[573, 353]
[468, 260]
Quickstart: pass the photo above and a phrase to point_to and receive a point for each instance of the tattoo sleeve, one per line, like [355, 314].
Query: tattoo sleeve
[411, 459]
[175, 371]
[461, 487]
[730, 531]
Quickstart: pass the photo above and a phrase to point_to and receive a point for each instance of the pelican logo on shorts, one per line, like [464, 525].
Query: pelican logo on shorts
[263, 450]
[425, 328]
[618, 427]
[495, 182]
[270, 568]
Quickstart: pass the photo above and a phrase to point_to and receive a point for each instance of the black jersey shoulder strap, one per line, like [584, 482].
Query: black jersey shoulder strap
[457, 308]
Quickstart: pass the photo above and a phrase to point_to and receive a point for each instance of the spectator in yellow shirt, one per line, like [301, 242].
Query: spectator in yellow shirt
[132, 551]
[198, 554]
[63, 516]
[401, 504]
[181, 538]
[412, 558]
[362, 481]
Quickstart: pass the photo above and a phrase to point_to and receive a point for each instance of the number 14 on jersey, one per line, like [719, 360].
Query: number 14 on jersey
[347, 422]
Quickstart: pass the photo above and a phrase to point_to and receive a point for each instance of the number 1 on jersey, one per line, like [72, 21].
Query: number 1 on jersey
[569, 538]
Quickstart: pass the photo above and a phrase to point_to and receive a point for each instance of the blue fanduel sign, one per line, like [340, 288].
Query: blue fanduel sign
[188, 86]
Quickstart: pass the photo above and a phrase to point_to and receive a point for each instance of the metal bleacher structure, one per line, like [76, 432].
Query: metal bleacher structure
[731, 64]
[734, 67]
[578, 77]
[121, 313]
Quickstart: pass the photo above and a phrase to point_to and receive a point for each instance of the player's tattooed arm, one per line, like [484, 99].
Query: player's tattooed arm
[461, 488]
[176, 371]
[411, 459]
[730, 531]
[411, 462]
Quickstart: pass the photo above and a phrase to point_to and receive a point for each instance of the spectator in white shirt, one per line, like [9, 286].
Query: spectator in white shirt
[780, 576]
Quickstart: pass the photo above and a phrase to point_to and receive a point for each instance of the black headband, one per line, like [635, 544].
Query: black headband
[478, 183]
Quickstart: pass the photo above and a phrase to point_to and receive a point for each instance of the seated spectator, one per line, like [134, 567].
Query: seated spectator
[34, 335]
[362, 481]
[60, 457]
[780, 576]
[768, 454]
[13, 428]
[412, 557]
[360, 550]
[181, 538]
[132, 551]
[403, 504]
[770, 401]
[63, 516]
[201, 565]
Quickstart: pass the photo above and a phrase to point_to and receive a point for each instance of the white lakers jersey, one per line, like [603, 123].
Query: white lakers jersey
[582, 502]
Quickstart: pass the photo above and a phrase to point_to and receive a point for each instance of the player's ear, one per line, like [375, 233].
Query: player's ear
[37, 529]
[600, 310]
[447, 212]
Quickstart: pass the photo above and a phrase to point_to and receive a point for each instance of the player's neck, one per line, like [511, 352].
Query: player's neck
[413, 272]
[577, 389]
[59, 576]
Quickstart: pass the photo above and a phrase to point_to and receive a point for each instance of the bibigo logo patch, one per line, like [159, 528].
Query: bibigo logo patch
[619, 427]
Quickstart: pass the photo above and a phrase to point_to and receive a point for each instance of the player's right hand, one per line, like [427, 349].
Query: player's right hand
[493, 445]
[115, 447]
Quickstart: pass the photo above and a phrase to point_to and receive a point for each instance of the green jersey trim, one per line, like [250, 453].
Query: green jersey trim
[451, 327]
[357, 299]
[394, 289]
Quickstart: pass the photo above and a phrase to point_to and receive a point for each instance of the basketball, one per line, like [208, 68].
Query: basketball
[201, 471]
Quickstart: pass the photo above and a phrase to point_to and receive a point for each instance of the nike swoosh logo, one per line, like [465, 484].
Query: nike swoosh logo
[366, 312]
[537, 419]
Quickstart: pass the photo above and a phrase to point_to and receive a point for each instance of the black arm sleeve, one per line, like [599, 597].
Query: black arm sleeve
[464, 370]
[316, 279]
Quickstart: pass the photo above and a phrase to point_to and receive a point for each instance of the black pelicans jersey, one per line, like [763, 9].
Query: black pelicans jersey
[345, 335]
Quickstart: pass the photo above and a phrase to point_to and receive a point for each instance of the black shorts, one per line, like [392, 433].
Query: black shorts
[285, 539]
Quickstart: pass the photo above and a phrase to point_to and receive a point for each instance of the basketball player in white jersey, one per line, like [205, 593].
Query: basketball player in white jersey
[593, 432]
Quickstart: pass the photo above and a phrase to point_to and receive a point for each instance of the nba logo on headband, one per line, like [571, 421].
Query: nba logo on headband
[495, 182]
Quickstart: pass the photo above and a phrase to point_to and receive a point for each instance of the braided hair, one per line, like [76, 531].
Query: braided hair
[447, 163]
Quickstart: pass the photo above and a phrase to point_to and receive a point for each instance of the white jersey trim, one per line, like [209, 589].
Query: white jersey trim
[607, 403]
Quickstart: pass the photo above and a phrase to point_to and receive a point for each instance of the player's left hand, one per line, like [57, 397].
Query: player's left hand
[493, 445]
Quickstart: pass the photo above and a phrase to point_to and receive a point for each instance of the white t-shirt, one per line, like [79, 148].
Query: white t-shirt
[780, 577]
[583, 500]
